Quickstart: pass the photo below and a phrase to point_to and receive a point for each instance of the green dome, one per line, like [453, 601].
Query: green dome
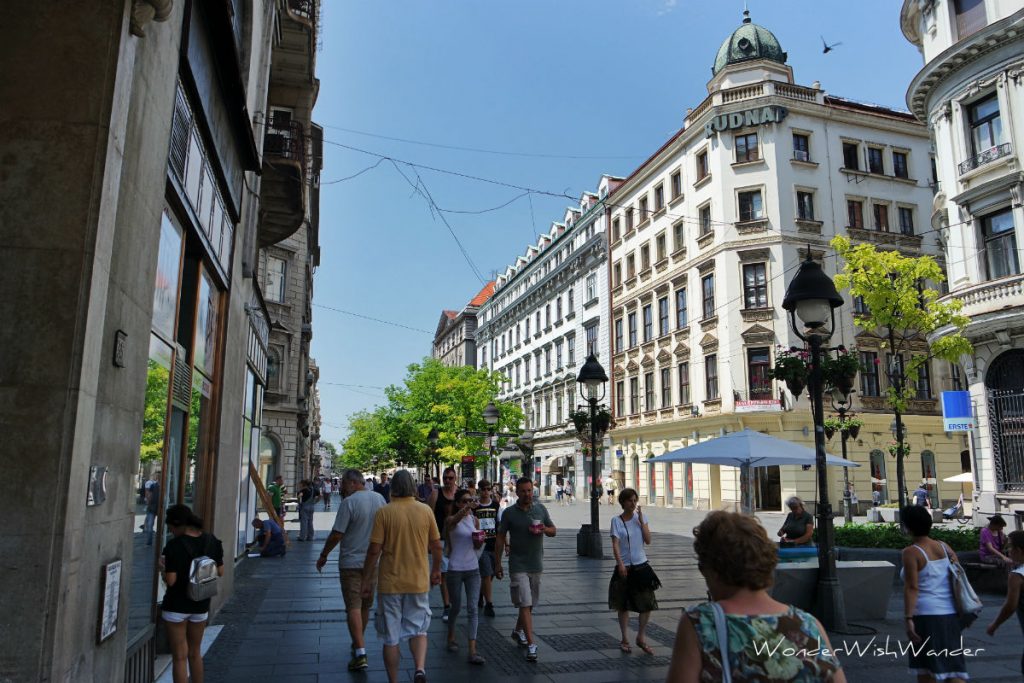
[746, 43]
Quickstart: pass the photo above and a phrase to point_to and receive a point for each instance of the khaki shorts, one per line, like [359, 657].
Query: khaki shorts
[525, 588]
[401, 616]
[352, 589]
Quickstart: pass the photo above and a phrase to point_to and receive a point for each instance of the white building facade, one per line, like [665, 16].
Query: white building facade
[971, 96]
[704, 239]
[548, 312]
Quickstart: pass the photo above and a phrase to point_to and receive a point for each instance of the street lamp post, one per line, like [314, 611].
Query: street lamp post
[812, 297]
[526, 446]
[433, 437]
[841, 404]
[491, 417]
[592, 379]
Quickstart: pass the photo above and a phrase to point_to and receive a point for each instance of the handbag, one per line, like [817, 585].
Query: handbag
[640, 577]
[723, 641]
[202, 576]
[968, 606]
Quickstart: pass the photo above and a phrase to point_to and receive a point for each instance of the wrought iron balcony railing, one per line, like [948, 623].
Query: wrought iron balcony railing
[989, 155]
[286, 141]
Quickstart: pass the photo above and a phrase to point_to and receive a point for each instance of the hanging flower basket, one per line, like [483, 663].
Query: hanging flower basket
[791, 367]
[854, 431]
[581, 421]
[829, 432]
[840, 371]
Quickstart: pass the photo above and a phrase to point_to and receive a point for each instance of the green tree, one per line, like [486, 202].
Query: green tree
[901, 306]
[154, 416]
[367, 446]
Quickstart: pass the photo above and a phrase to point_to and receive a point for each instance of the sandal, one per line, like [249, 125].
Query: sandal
[625, 647]
[645, 647]
[476, 659]
[453, 646]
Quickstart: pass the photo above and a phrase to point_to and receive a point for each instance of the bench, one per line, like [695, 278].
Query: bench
[986, 578]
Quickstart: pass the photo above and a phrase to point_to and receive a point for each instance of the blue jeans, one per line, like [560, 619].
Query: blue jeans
[471, 580]
[306, 521]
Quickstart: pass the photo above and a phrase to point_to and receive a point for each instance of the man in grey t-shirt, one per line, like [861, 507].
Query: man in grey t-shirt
[525, 524]
[352, 526]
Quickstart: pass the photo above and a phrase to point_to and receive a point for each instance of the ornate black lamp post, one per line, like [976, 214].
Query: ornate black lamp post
[526, 446]
[592, 380]
[841, 404]
[812, 298]
[491, 417]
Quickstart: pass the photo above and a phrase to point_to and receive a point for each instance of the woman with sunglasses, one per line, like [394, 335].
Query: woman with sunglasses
[463, 540]
[442, 502]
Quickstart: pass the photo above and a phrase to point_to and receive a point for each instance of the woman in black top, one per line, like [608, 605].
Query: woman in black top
[798, 529]
[442, 501]
[186, 618]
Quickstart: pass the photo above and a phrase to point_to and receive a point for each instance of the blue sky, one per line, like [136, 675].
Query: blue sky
[558, 92]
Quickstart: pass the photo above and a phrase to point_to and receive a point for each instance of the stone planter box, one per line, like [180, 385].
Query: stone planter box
[860, 580]
[875, 516]
[889, 514]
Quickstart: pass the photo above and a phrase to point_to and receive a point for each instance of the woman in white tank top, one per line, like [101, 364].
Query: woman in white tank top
[929, 611]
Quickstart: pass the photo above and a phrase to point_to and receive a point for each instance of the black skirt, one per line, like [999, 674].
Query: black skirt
[624, 598]
[941, 633]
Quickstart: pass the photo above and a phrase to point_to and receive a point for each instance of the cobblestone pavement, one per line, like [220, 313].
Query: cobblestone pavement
[285, 622]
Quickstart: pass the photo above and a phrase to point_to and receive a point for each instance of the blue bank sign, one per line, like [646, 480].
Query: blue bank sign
[957, 415]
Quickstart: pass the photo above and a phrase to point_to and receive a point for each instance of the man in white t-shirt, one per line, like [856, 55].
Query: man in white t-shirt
[352, 526]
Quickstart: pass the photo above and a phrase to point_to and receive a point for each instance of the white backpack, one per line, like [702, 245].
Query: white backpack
[202, 577]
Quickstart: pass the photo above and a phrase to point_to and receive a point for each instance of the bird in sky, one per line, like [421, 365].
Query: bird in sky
[827, 47]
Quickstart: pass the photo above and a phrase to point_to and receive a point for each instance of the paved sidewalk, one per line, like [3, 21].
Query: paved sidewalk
[285, 622]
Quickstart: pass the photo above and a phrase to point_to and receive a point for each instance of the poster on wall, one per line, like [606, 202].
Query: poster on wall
[110, 598]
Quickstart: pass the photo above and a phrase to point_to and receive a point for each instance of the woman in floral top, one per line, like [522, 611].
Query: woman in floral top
[767, 640]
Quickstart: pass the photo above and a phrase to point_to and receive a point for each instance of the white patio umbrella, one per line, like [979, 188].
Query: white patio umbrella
[964, 478]
[746, 449]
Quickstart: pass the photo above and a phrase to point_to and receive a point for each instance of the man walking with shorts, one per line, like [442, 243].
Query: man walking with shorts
[525, 524]
[352, 526]
[402, 530]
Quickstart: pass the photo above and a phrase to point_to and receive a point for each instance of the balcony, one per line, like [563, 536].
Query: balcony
[283, 191]
[989, 304]
[988, 156]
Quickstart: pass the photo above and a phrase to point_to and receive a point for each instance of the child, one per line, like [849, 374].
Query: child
[1013, 591]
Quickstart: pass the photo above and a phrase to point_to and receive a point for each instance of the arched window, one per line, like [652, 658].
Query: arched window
[1004, 382]
[878, 479]
[270, 458]
[273, 369]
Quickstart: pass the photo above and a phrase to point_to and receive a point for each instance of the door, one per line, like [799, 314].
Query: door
[768, 488]
[929, 478]
[879, 483]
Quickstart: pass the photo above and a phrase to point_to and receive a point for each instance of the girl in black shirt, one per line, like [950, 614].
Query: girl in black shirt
[186, 618]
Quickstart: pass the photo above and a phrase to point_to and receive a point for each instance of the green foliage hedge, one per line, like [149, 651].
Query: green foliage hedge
[890, 536]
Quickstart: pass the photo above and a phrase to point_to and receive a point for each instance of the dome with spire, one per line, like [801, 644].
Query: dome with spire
[747, 43]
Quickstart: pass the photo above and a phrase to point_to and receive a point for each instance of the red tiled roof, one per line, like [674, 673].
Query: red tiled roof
[483, 295]
[451, 314]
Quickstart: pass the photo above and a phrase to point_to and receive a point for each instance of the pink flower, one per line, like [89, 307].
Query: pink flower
[877, 361]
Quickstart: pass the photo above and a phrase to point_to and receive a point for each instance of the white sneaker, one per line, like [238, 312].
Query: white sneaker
[520, 638]
[531, 653]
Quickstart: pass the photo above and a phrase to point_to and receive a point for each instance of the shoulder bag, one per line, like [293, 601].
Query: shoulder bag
[202, 575]
[968, 606]
[722, 630]
[639, 577]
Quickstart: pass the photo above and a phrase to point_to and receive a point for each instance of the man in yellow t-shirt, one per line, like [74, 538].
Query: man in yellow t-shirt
[402, 530]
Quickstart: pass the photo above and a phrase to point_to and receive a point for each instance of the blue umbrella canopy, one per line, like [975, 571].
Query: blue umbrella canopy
[748, 448]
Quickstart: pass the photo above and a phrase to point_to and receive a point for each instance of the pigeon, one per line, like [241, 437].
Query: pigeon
[828, 48]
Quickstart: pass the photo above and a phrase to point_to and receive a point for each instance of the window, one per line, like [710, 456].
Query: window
[547, 361]
[617, 273]
[517, 335]
[629, 220]
[970, 17]
[707, 284]
[645, 257]
[592, 340]
[751, 208]
[666, 387]
[483, 361]
[644, 212]
[649, 391]
[906, 215]
[755, 285]
[571, 342]
[924, 382]
[618, 334]
[684, 383]
[986, 125]
[570, 304]
[538, 322]
[678, 236]
[526, 329]
[547, 315]
[801, 147]
[711, 376]
[851, 156]
[526, 370]
[277, 281]
[517, 375]
[620, 398]
[677, 184]
[746, 148]
[757, 374]
[859, 307]
[880, 214]
[681, 314]
[805, 205]
[869, 373]
[558, 355]
[648, 323]
[659, 247]
[536, 364]
[854, 213]
[955, 378]
[704, 214]
[900, 168]
[997, 231]
[631, 319]
[558, 308]
[547, 410]
[662, 316]
[875, 164]
[703, 170]
[559, 416]
[630, 266]
[616, 230]
[659, 197]
[634, 395]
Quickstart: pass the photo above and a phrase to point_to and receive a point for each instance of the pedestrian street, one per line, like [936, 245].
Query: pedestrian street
[285, 622]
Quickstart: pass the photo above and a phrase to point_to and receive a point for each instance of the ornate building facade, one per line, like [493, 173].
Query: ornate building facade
[455, 335]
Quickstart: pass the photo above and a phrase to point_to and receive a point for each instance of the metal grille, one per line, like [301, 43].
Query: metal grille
[985, 157]
[285, 139]
[181, 123]
[138, 665]
[181, 391]
[1006, 415]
